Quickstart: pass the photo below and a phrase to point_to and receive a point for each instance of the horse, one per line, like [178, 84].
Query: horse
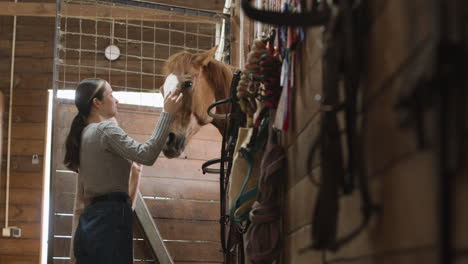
[203, 81]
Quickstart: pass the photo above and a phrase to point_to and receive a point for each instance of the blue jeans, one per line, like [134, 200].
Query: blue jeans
[104, 234]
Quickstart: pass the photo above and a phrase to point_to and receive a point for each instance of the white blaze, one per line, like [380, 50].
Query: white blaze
[170, 84]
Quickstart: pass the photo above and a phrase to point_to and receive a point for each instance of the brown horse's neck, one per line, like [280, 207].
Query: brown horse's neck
[221, 94]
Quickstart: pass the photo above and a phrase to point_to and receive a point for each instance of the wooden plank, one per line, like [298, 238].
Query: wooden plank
[189, 252]
[38, 65]
[19, 259]
[29, 28]
[65, 182]
[295, 243]
[142, 251]
[64, 202]
[29, 114]
[209, 132]
[93, 12]
[138, 122]
[195, 251]
[33, 81]
[382, 123]
[389, 53]
[300, 202]
[24, 147]
[184, 209]
[189, 230]
[28, 131]
[24, 196]
[61, 247]
[4, 68]
[63, 225]
[298, 153]
[23, 164]
[212, 145]
[179, 188]
[19, 246]
[28, 48]
[178, 168]
[30, 97]
[202, 149]
[196, 149]
[151, 230]
[26, 213]
[32, 180]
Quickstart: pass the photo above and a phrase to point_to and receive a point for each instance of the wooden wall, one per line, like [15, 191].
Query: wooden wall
[402, 178]
[33, 75]
[181, 219]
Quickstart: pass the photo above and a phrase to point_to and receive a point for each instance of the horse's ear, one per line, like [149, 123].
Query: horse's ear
[205, 57]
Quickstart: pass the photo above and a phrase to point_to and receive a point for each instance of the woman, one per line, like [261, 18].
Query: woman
[102, 153]
[80, 201]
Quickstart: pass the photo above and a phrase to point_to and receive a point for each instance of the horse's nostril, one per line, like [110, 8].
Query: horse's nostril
[170, 138]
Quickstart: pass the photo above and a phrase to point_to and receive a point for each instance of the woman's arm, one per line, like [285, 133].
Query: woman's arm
[134, 181]
[118, 142]
[121, 144]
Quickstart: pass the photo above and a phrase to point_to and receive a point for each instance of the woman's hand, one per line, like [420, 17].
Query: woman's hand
[172, 103]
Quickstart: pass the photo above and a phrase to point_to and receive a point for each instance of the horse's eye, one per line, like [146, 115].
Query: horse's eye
[187, 84]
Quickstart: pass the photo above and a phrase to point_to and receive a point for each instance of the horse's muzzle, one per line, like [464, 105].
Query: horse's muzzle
[175, 145]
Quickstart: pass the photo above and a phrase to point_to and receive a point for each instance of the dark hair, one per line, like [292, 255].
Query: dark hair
[86, 91]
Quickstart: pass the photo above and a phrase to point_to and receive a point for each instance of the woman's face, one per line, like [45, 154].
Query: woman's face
[108, 106]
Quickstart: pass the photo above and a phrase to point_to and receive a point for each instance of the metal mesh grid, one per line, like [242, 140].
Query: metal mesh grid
[146, 38]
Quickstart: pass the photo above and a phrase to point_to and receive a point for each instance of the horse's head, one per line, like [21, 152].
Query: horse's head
[203, 81]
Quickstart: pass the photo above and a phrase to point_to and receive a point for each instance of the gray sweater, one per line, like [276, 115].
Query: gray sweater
[107, 152]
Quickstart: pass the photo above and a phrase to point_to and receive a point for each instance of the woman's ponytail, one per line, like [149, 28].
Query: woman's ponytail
[84, 94]
[73, 143]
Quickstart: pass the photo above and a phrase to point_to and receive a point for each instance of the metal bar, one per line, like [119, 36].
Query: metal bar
[53, 158]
